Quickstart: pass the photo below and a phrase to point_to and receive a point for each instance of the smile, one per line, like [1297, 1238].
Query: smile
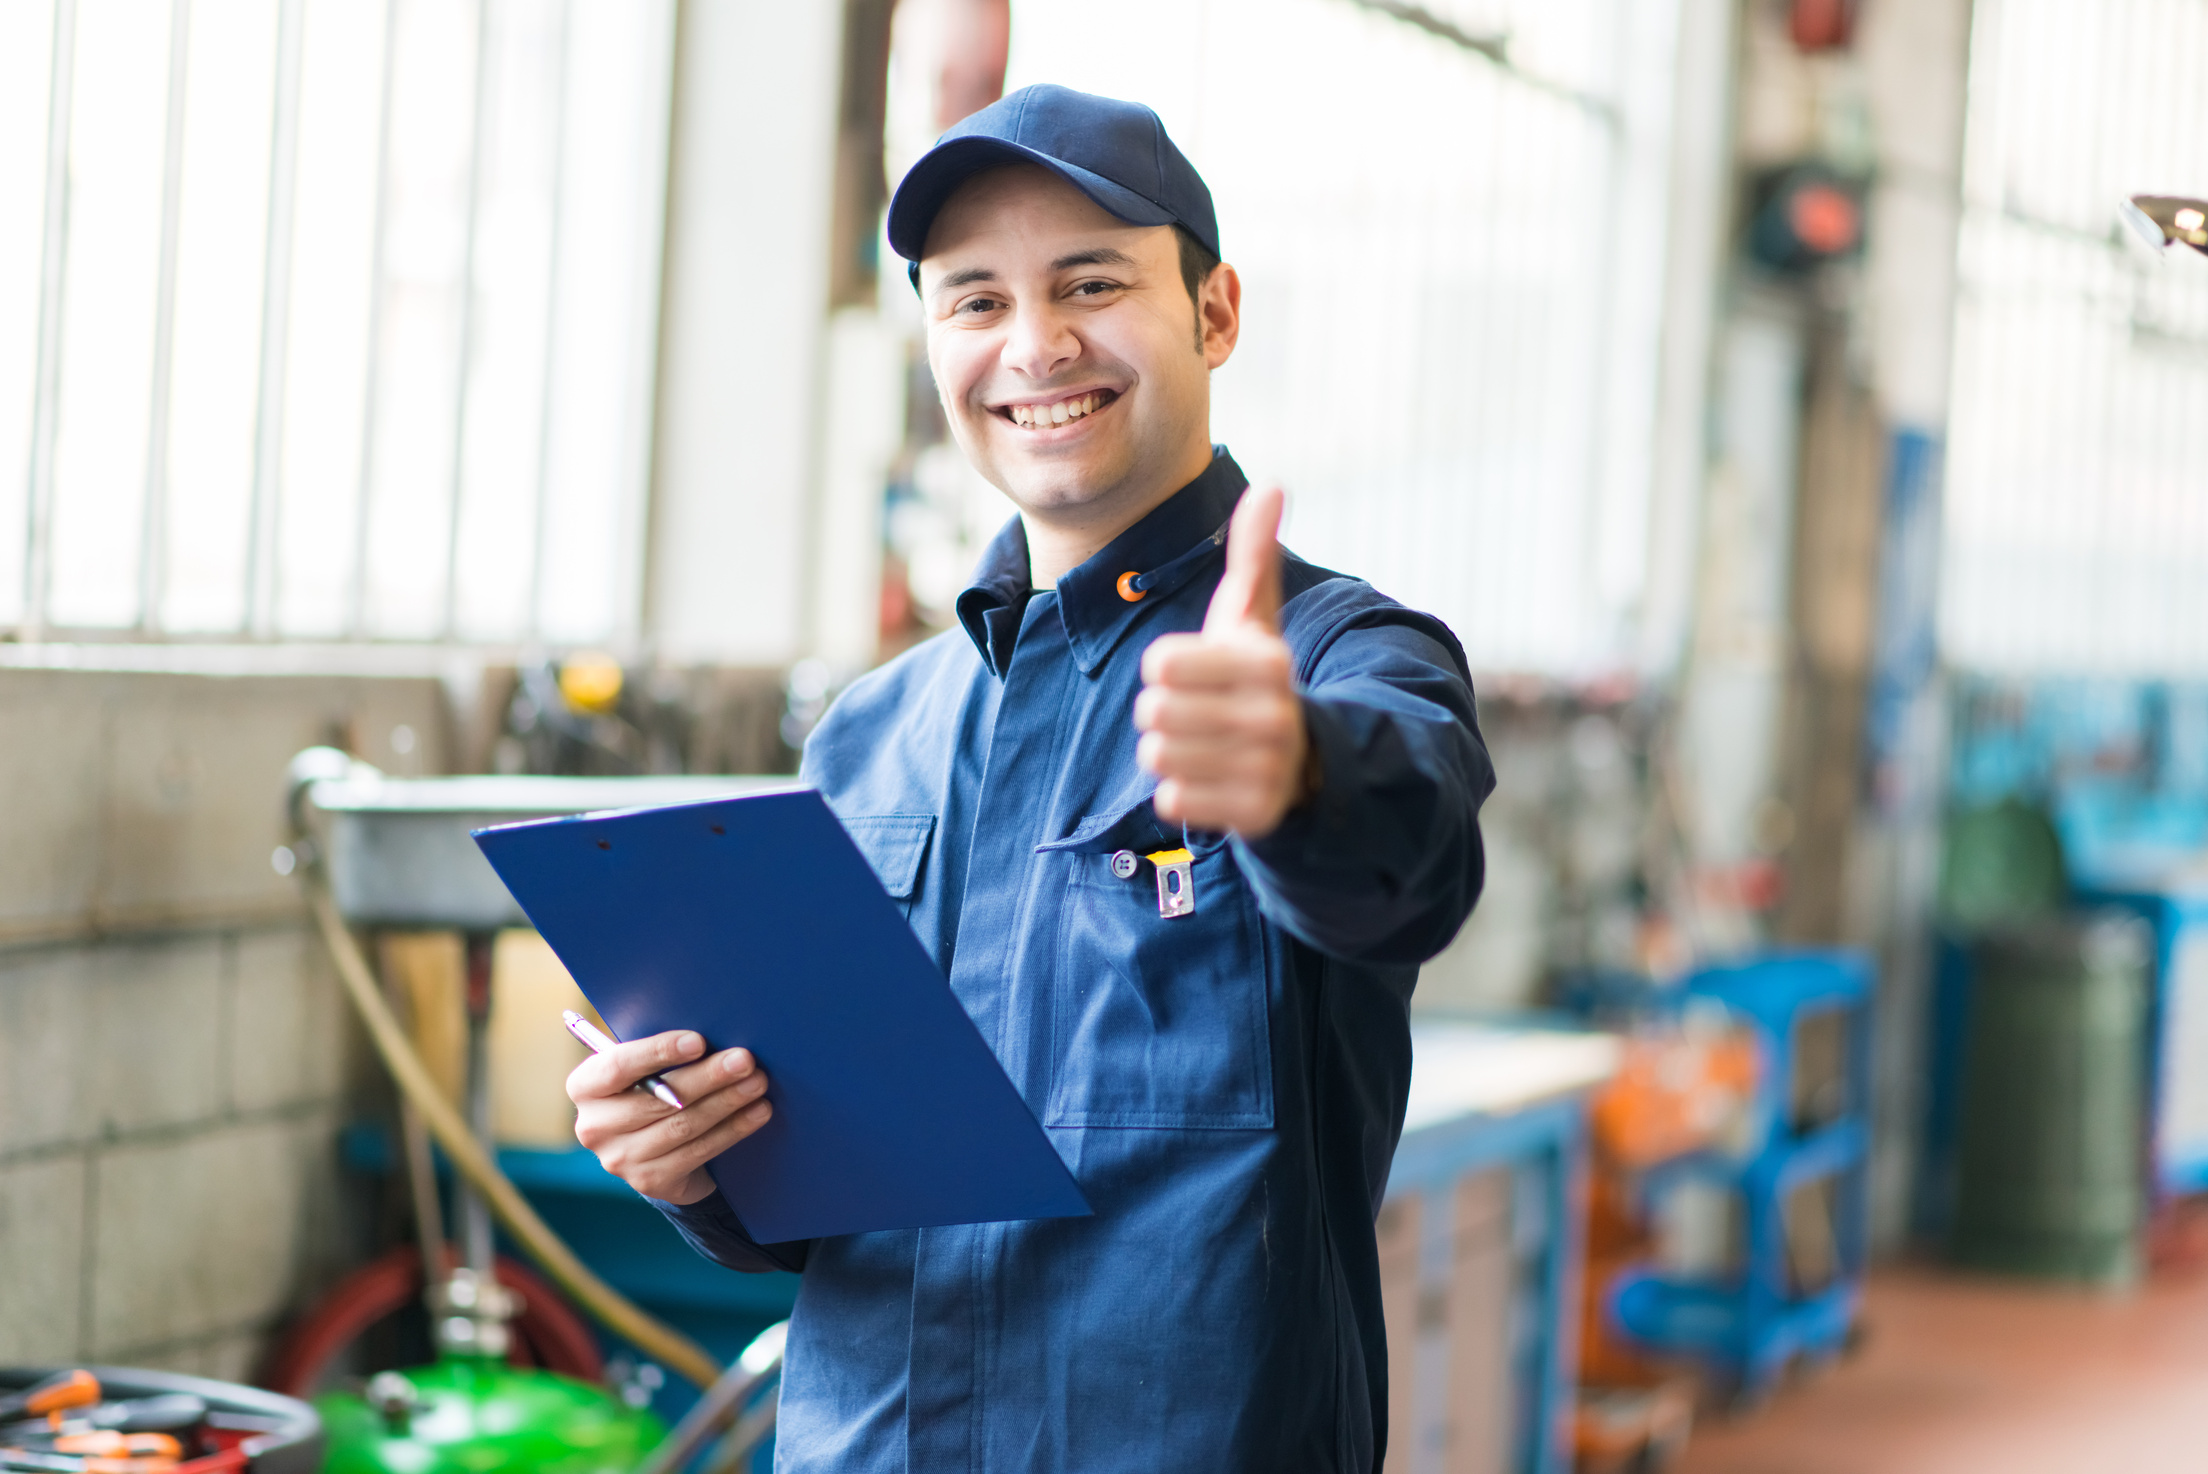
[1058, 412]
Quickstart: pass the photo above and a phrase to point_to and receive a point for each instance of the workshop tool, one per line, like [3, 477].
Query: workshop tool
[165, 1412]
[107, 1443]
[74, 1388]
[152, 1423]
[46, 1463]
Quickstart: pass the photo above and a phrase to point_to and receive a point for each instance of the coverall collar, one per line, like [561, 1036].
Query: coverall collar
[1100, 600]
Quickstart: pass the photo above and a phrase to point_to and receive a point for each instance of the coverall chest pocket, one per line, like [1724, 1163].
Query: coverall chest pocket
[894, 844]
[1159, 1021]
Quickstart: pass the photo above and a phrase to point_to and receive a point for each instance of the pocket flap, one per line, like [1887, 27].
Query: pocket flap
[1138, 829]
[894, 845]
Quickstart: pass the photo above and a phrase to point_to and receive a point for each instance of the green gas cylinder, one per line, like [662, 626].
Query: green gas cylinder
[470, 1414]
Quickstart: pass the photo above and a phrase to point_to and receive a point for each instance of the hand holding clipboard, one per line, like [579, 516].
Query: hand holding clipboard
[754, 925]
[639, 1140]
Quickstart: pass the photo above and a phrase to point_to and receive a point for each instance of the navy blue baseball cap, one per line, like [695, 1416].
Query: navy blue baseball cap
[1116, 153]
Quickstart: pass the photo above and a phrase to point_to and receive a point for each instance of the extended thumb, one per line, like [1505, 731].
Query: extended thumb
[1249, 591]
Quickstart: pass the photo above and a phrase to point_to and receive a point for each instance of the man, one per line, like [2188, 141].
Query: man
[1196, 810]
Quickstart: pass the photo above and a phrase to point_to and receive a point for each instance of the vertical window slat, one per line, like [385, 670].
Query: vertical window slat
[31, 57]
[116, 151]
[152, 557]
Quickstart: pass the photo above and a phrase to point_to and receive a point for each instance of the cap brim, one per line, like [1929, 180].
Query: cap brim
[932, 181]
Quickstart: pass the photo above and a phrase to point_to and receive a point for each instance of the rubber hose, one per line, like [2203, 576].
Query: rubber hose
[469, 1157]
[546, 1327]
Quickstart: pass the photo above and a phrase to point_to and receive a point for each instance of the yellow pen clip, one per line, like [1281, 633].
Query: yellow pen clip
[1176, 886]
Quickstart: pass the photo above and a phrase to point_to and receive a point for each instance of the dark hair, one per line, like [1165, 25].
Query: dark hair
[1197, 263]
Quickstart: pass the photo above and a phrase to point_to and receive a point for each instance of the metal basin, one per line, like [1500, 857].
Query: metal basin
[399, 852]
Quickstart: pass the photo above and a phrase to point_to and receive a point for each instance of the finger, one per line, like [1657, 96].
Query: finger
[1210, 660]
[1209, 712]
[619, 1120]
[1213, 760]
[602, 1120]
[710, 1074]
[692, 1155]
[1224, 808]
[623, 1065]
[1249, 591]
[695, 1120]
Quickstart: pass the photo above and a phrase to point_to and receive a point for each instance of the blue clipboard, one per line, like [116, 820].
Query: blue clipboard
[756, 921]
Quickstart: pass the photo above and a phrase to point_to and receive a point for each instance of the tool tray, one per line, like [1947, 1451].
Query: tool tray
[286, 1437]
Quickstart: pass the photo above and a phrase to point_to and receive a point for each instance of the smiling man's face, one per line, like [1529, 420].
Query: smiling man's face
[1073, 366]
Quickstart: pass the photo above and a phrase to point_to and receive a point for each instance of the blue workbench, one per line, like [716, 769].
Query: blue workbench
[1480, 1248]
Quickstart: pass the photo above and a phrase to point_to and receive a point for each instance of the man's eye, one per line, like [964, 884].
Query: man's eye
[1095, 288]
[979, 305]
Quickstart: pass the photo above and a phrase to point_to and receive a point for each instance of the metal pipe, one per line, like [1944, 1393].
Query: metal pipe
[421, 1185]
[473, 1160]
[475, 1214]
[720, 1405]
[421, 1168]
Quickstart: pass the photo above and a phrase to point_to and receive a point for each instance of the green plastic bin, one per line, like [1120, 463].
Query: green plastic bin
[2050, 1148]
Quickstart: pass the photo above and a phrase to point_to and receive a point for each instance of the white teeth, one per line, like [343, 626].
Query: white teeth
[1039, 416]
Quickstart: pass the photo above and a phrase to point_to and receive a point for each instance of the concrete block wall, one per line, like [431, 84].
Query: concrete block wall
[175, 1058]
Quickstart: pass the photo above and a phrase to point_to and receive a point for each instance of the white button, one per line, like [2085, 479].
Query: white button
[1124, 864]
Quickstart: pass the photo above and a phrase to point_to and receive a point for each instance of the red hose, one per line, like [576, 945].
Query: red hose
[547, 1332]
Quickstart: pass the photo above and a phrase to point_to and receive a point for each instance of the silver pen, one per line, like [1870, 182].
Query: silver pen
[583, 1029]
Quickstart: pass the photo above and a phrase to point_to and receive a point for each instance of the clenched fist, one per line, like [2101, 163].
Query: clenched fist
[1222, 726]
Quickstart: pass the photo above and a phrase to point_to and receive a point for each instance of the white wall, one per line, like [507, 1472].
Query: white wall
[743, 330]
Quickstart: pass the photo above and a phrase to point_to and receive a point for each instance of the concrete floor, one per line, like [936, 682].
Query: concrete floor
[1973, 1376]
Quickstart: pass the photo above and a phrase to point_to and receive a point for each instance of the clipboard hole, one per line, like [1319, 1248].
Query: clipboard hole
[720, 829]
[605, 844]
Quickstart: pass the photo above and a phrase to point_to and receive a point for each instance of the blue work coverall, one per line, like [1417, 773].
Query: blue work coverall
[1227, 1086]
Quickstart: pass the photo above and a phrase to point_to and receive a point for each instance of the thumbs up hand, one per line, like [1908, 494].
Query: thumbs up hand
[1222, 727]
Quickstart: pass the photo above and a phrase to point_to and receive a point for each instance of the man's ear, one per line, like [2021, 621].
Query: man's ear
[1219, 315]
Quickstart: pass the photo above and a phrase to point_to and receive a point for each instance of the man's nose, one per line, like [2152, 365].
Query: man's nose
[1039, 342]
